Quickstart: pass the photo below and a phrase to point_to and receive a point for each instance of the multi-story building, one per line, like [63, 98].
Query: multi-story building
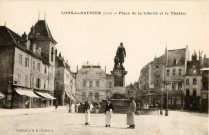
[164, 74]
[64, 81]
[27, 66]
[196, 83]
[93, 82]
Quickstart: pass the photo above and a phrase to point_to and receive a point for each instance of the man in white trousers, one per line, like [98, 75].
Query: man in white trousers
[87, 111]
[108, 111]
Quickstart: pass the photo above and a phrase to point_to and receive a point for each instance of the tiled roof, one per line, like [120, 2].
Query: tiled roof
[41, 31]
[179, 55]
[8, 37]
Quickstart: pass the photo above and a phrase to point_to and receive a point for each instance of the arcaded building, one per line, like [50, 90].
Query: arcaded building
[92, 81]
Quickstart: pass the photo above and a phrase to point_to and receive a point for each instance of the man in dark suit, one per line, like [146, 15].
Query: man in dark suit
[108, 111]
[87, 111]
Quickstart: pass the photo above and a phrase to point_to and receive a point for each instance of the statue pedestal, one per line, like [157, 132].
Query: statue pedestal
[119, 91]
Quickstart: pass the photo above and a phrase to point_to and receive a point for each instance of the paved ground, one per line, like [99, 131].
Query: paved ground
[60, 122]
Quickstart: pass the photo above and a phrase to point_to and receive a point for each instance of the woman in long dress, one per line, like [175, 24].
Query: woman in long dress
[130, 114]
[108, 111]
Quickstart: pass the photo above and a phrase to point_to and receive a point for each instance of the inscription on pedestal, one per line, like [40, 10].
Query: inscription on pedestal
[118, 81]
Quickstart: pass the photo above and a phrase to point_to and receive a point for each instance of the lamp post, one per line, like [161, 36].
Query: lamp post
[166, 110]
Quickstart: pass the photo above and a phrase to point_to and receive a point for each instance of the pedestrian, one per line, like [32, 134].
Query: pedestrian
[130, 113]
[109, 112]
[56, 105]
[87, 111]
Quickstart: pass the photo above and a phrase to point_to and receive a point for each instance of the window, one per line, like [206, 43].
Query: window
[52, 54]
[34, 65]
[32, 81]
[187, 81]
[39, 67]
[179, 71]
[44, 84]
[110, 84]
[96, 97]
[20, 59]
[187, 92]
[174, 71]
[157, 82]
[174, 61]
[168, 72]
[26, 62]
[57, 85]
[157, 66]
[19, 78]
[84, 83]
[38, 83]
[194, 81]
[26, 80]
[97, 83]
[45, 70]
[194, 92]
[179, 86]
[173, 86]
[90, 84]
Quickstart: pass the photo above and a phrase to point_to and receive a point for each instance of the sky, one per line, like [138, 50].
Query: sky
[95, 38]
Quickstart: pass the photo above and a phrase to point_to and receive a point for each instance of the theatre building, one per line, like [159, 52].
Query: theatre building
[93, 82]
[27, 67]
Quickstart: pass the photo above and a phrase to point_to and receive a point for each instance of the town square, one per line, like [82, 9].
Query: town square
[88, 68]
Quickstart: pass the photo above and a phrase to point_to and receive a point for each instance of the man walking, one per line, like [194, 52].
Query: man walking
[87, 111]
[130, 114]
[108, 111]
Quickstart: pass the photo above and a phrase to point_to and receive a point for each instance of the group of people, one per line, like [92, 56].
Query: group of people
[109, 111]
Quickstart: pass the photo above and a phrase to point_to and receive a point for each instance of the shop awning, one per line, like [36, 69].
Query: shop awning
[70, 96]
[26, 92]
[1, 95]
[41, 94]
[49, 96]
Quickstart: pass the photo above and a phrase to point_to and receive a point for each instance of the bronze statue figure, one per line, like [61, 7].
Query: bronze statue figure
[120, 55]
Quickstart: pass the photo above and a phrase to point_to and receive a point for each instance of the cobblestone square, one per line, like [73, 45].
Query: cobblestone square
[60, 122]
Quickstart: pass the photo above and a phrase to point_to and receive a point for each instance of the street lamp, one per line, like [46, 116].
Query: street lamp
[166, 111]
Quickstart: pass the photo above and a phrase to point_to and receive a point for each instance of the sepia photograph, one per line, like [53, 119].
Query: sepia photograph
[104, 67]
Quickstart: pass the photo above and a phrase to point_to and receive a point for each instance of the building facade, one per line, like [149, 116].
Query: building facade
[93, 82]
[64, 82]
[161, 80]
[27, 67]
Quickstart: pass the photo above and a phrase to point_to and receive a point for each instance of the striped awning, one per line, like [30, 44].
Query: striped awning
[70, 96]
[45, 95]
[26, 92]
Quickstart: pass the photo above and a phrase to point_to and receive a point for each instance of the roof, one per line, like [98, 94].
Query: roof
[8, 37]
[61, 62]
[179, 55]
[41, 31]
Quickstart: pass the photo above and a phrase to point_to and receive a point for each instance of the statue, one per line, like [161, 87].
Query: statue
[120, 56]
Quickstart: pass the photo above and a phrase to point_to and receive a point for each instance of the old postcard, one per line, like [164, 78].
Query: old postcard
[104, 67]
